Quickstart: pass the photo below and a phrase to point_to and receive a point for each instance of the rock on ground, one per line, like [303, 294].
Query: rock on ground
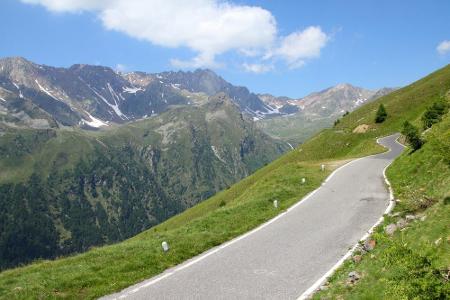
[390, 229]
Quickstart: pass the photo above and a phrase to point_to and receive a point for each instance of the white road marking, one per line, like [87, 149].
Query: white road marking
[313, 288]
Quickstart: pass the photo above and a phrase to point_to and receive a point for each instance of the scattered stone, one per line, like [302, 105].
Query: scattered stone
[438, 241]
[323, 287]
[423, 218]
[446, 274]
[401, 223]
[395, 214]
[410, 218]
[360, 249]
[354, 274]
[390, 229]
[369, 245]
[426, 202]
[372, 255]
[353, 277]
[357, 258]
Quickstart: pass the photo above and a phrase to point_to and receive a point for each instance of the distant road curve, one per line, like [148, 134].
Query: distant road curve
[283, 258]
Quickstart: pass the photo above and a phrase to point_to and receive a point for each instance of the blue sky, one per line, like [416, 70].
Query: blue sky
[281, 47]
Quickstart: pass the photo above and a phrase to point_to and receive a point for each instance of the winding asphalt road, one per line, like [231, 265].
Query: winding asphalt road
[282, 259]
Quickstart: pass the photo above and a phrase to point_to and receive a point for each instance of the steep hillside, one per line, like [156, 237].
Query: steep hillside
[248, 203]
[63, 191]
[411, 259]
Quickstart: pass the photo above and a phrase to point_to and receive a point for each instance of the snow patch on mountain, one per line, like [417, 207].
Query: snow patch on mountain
[132, 90]
[114, 107]
[217, 154]
[96, 123]
[259, 115]
[116, 99]
[360, 101]
[46, 91]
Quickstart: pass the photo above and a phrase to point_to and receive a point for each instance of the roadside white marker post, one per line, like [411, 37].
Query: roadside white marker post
[165, 246]
[322, 167]
[303, 180]
[275, 203]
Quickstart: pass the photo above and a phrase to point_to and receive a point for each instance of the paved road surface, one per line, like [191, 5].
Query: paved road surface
[284, 258]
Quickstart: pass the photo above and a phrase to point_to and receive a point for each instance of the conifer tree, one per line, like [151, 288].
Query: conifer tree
[381, 114]
[412, 135]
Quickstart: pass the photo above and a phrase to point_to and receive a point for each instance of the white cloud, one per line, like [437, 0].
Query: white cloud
[443, 47]
[207, 27]
[200, 61]
[300, 46]
[257, 68]
[121, 68]
[70, 5]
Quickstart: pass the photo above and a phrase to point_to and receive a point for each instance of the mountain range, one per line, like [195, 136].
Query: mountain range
[89, 156]
[90, 96]
[332, 101]
[300, 118]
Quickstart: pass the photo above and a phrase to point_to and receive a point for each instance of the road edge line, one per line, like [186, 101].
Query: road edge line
[315, 286]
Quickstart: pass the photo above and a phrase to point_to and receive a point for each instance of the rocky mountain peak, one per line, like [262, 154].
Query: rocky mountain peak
[15, 61]
[16, 66]
[205, 71]
[329, 102]
[343, 86]
[99, 71]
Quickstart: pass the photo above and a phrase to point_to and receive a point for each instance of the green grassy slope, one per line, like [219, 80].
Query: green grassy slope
[414, 263]
[27, 150]
[226, 215]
